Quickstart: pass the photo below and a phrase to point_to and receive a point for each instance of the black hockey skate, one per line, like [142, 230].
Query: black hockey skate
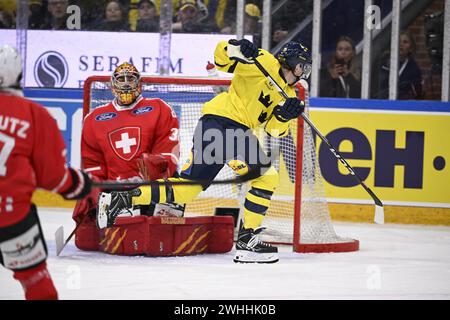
[250, 249]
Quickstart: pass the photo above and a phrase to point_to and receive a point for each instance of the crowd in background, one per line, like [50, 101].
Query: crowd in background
[340, 71]
[190, 16]
[341, 75]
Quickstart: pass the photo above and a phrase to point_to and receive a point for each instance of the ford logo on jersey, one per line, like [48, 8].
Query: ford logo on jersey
[142, 110]
[106, 116]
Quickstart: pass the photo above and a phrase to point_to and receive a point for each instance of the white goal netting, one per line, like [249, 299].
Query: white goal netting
[187, 99]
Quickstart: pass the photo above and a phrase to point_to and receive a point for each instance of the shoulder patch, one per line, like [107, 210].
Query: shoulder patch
[142, 110]
[106, 116]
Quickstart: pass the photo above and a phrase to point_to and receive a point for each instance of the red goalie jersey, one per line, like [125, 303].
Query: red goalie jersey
[114, 137]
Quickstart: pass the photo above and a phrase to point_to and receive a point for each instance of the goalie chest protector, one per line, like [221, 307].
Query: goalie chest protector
[163, 236]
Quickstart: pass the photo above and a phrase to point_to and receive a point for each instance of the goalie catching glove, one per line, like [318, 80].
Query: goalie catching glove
[152, 166]
[291, 109]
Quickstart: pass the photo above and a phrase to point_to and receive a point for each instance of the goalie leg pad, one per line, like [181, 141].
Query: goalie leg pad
[190, 236]
[87, 235]
[128, 236]
[168, 236]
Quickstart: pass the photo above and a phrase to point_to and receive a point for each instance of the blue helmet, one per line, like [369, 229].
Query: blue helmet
[294, 53]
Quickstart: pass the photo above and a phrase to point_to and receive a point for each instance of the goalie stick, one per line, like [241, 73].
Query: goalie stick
[117, 185]
[379, 210]
[59, 237]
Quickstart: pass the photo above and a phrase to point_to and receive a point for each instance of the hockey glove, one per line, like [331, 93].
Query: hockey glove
[291, 109]
[110, 205]
[87, 205]
[242, 50]
[152, 166]
[81, 185]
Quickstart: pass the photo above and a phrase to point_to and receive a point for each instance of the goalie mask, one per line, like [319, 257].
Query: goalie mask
[295, 56]
[126, 84]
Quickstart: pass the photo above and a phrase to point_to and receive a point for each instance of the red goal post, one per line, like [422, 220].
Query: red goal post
[298, 214]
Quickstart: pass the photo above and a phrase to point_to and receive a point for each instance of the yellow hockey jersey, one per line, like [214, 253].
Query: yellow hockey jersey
[251, 98]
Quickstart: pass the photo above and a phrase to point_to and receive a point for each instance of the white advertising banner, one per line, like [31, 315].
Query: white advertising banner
[8, 37]
[64, 59]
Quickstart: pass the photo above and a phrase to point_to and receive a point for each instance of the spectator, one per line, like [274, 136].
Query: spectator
[133, 14]
[341, 78]
[190, 19]
[218, 10]
[7, 14]
[37, 14]
[410, 76]
[92, 12]
[6, 21]
[57, 18]
[252, 15]
[114, 18]
[251, 18]
[279, 33]
[203, 11]
[148, 20]
[288, 17]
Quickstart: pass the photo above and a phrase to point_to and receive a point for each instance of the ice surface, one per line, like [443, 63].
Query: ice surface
[394, 262]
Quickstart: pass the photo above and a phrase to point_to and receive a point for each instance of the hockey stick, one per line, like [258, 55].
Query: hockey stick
[116, 185]
[379, 210]
[59, 236]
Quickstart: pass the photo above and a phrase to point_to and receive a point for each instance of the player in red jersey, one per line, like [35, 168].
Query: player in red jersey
[32, 155]
[130, 138]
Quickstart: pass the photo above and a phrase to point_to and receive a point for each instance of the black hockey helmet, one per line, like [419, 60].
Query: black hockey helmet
[294, 53]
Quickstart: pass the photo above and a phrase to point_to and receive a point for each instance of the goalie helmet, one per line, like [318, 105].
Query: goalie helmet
[126, 83]
[10, 67]
[294, 53]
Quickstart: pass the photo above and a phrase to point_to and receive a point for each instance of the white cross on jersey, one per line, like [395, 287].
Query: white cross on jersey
[125, 143]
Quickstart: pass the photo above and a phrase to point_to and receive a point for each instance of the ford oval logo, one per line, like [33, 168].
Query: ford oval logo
[106, 116]
[142, 110]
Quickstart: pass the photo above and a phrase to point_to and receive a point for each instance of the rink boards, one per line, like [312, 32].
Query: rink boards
[400, 148]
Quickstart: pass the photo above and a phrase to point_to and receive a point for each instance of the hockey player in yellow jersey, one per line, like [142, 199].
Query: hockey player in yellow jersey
[251, 101]
[251, 98]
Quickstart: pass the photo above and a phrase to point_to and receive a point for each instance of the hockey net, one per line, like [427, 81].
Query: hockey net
[298, 213]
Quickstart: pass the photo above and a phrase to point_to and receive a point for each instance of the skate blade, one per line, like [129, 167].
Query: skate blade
[252, 257]
[241, 261]
[104, 201]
